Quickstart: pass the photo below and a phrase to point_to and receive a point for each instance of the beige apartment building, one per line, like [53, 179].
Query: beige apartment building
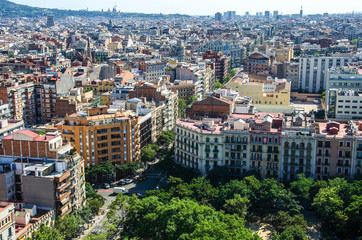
[101, 137]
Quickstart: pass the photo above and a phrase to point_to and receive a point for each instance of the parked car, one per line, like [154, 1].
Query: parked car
[143, 178]
[122, 182]
[106, 186]
[122, 190]
[139, 195]
[128, 181]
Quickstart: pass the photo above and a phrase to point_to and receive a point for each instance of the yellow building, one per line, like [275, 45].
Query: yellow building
[106, 98]
[104, 137]
[284, 54]
[273, 92]
[114, 46]
[105, 86]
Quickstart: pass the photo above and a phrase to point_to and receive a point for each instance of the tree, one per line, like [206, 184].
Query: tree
[11, 55]
[219, 175]
[85, 213]
[67, 225]
[166, 138]
[101, 169]
[148, 155]
[354, 213]
[218, 85]
[327, 202]
[301, 187]
[290, 227]
[102, 236]
[94, 205]
[89, 190]
[180, 219]
[191, 100]
[45, 233]
[181, 107]
[238, 205]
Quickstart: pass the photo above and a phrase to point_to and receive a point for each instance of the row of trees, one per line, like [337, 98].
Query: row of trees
[199, 209]
[106, 170]
[153, 151]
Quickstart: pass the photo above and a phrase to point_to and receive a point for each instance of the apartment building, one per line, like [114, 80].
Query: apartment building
[357, 167]
[222, 64]
[7, 183]
[7, 127]
[313, 71]
[344, 92]
[265, 142]
[284, 54]
[201, 75]
[298, 146]
[292, 74]
[104, 86]
[237, 147]
[4, 111]
[271, 144]
[270, 92]
[335, 154]
[101, 137]
[7, 221]
[257, 63]
[55, 185]
[154, 69]
[185, 89]
[344, 104]
[199, 145]
[165, 110]
[232, 48]
[21, 99]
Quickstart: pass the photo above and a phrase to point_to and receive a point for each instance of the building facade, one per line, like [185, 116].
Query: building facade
[313, 71]
[106, 137]
[7, 221]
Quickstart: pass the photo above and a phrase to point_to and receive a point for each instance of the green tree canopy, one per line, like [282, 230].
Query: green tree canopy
[46, 233]
[181, 107]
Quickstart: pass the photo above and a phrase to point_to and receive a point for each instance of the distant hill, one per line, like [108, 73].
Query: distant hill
[13, 10]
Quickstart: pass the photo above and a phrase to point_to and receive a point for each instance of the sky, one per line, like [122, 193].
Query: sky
[204, 7]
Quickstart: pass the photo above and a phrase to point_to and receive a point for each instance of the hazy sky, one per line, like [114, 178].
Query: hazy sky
[204, 7]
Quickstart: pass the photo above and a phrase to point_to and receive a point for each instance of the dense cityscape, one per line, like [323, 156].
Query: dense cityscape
[152, 126]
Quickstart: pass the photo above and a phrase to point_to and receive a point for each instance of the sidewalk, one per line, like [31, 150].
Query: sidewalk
[97, 221]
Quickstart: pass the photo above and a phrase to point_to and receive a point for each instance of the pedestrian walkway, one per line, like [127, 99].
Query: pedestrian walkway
[96, 223]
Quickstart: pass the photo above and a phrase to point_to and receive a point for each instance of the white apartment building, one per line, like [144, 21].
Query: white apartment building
[313, 71]
[199, 146]
[7, 221]
[345, 104]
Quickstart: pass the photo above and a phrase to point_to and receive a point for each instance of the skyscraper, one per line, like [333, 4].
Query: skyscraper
[301, 12]
[50, 21]
[218, 16]
[267, 14]
[275, 14]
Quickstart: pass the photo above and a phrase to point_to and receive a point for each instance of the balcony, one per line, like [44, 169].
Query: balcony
[63, 195]
[63, 186]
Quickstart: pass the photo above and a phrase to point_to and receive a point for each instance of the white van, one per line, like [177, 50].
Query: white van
[317, 101]
[122, 190]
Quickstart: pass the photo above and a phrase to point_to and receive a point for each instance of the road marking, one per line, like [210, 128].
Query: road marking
[104, 190]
